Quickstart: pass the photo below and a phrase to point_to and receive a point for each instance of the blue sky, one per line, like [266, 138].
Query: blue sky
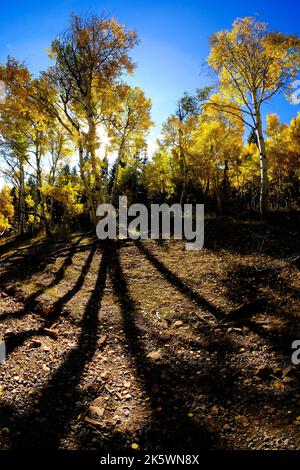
[174, 39]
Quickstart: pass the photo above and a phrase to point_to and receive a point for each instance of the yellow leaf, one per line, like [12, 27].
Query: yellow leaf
[279, 385]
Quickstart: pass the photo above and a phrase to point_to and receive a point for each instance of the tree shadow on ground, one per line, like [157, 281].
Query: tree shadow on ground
[244, 290]
[59, 396]
[166, 383]
[35, 259]
[170, 428]
[30, 302]
[17, 339]
[179, 284]
[16, 244]
[172, 385]
[281, 326]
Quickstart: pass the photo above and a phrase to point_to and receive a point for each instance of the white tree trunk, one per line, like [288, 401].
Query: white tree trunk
[263, 199]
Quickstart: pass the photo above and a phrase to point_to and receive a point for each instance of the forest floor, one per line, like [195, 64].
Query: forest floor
[149, 346]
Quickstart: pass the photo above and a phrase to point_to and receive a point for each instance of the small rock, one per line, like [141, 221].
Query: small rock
[96, 411]
[97, 407]
[49, 332]
[154, 355]
[101, 340]
[178, 324]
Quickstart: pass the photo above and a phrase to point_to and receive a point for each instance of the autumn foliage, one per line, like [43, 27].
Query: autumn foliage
[76, 135]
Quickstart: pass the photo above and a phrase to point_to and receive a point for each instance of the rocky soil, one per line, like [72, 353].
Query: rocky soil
[147, 346]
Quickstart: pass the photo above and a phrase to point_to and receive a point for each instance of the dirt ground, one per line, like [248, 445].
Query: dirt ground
[148, 346]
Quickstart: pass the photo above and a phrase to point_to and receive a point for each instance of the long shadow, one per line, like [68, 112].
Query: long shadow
[245, 282]
[34, 260]
[59, 396]
[179, 284]
[168, 396]
[30, 302]
[59, 275]
[244, 311]
[17, 339]
[16, 243]
[58, 305]
[169, 429]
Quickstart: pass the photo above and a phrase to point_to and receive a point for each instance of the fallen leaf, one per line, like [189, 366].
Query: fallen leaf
[279, 385]
[47, 310]
[101, 340]
[287, 370]
[288, 379]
